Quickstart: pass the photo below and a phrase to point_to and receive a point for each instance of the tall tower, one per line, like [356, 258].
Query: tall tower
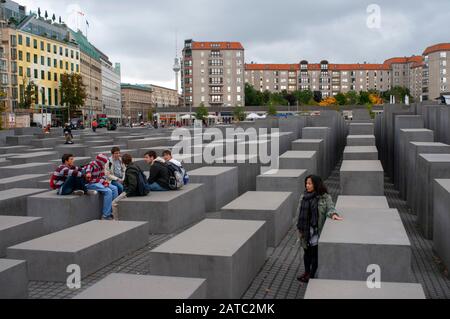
[176, 65]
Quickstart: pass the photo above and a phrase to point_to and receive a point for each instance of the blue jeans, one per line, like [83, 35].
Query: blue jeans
[155, 187]
[119, 186]
[109, 194]
[72, 184]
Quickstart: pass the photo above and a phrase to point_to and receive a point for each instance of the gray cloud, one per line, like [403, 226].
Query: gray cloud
[141, 34]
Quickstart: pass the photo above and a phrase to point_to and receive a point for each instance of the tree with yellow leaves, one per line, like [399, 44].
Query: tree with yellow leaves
[328, 101]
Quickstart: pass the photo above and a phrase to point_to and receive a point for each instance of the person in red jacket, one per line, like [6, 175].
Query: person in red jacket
[95, 176]
[94, 125]
[68, 179]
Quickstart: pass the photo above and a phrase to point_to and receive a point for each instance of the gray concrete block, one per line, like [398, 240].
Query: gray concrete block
[365, 178]
[98, 142]
[365, 237]
[4, 162]
[299, 160]
[360, 114]
[283, 180]
[79, 161]
[227, 253]
[13, 149]
[29, 168]
[430, 167]
[166, 212]
[361, 129]
[441, 213]
[15, 230]
[414, 149]
[325, 134]
[444, 125]
[33, 157]
[19, 140]
[276, 208]
[128, 286]
[220, 185]
[346, 289]
[47, 142]
[77, 149]
[13, 202]
[61, 212]
[91, 246]
[13, 279]
[401, 171]
[360, 153]
[362, 202]
[22, 181]
[361, 140]
[148, 142]
[313, 145]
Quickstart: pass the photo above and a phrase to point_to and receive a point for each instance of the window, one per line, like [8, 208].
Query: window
[20, 71]
[55, 63]
[49, 62]
[35, 44]
[49, 96]
[35, 59]
[77, 56]
[67, 53]
[20, 55]
[71, 67]
[42, 60]
[28, 57]
[42, 75]
[78, 68]
[71, 54]
[60, 51]
[20, 39]
[55, 49]
[49, 76]
[28, 72]
[443, 54]
[42, 46]
[56, 96]
[60, 64]
[27, 42]
[35, 74]
[55, 76]
[67, 66]
[49, 48]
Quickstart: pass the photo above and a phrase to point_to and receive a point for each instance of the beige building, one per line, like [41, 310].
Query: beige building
[136, 103]
[163, 97]
[213, 74]
[436, 71]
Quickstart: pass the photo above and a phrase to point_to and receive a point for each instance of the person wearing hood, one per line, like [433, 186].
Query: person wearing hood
[96, 181]
[159, 173]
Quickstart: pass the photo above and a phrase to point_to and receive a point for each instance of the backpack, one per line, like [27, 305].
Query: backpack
[176, 176]
[142, 186]
[52, 182]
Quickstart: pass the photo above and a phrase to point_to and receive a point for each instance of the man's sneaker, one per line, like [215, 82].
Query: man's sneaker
[78, 192]
[107, 218]
[91, 192]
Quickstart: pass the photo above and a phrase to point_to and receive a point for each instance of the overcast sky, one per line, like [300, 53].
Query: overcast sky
[141, 34]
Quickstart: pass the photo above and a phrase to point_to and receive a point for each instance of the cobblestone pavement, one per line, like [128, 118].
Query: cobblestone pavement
[277, 278]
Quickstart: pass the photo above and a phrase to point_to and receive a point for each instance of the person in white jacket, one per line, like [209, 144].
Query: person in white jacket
[115, 169]
[167, 155]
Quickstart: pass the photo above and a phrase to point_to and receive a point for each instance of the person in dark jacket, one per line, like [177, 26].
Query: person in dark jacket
[316, 206]
[159, 173]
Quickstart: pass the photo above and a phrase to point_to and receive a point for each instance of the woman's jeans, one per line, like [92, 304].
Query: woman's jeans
[109, 194]
[155, 187]
[72, 184]
[311, 260]
[119, 186]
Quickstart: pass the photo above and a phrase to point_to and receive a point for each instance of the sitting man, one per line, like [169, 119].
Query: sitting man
[167, 155]
[159, 173]
[95, 176]
[68, 179]
[115, 169]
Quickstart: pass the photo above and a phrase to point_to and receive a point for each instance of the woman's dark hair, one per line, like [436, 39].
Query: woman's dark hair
[319, 186]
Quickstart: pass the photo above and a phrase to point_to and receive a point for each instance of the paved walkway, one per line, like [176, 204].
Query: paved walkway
[277, 279]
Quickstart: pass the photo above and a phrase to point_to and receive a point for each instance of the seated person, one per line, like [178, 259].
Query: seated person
[68, 179]
[167, 155]
[115, 170]
[159, 173]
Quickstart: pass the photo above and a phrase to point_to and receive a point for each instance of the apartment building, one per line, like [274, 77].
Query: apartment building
[213, 73]
[436, 71]
[111, 90]
[163, 97]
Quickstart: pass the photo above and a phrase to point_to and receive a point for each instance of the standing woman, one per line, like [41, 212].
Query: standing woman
[316, 206]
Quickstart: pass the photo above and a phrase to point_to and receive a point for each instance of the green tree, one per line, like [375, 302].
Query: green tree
[399, 92]
[364, 98]
[239, 113]
[304, 97]
[73, 92]
[341, 99]
[272, 110]
[252, 96]
[28, 96]
[352, 97]
[202, 112]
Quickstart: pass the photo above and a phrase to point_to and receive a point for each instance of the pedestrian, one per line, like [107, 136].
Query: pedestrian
[94, 125]
[68, 134]
[115, 170]
[316, 206]
[96, 180]
[68, 179]
[159, 173]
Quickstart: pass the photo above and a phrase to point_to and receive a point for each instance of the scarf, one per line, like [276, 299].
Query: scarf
[309, 214]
